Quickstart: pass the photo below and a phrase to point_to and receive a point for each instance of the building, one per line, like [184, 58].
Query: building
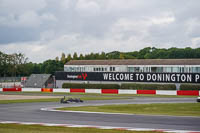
[130, 70]
[135, 65]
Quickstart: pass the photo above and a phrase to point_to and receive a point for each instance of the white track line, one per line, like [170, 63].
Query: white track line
[120, 128]
[99, 127]
[53, 109]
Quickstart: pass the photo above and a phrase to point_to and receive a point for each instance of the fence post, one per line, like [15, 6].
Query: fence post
[177, 86]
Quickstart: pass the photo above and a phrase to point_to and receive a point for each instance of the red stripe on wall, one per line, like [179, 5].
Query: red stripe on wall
[109, 91]
[146, 91]
[47, 90]
[77, 90]
[185, 92]
[12, 89]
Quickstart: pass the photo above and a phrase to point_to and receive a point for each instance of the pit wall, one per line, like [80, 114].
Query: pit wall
[104, 91]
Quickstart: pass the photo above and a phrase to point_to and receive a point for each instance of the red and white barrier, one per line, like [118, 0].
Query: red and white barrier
[12, 89]
[93, 91]
[31, 89]
[106, 91]
[61, 90]
[153, 92]
[109, 91]
[77, 90]
[191, 93]
[47, 90]
[127, 91]
[162, 92]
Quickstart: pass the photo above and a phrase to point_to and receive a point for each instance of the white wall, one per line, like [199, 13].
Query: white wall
[160, 92]
[31, 89]
[61, 90]
[127, 91]
[93, 91]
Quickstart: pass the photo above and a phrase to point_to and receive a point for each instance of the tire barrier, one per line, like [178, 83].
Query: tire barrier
[105, 91]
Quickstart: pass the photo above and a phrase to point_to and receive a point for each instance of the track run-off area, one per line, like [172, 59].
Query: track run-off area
[44, 113]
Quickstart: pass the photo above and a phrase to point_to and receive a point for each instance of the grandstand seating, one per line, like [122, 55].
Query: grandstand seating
[39, 80]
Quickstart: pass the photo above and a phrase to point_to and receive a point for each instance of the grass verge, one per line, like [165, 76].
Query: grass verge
[16, 128]
[30, 100]
[175, 109]
[55, 100]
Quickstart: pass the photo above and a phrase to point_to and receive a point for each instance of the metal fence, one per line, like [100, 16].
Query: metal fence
[10, 82]
[10, 79]
[10, 85]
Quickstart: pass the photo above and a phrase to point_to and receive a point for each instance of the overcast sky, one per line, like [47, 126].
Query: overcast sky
[43, 29]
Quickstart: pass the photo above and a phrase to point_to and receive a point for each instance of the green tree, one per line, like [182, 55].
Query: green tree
[113, 55]
[81, 57]
[121, 56]
[69, 57]
[57, 58]
[63, 59]
[102, 55]
[75, 56]
[143, 52]
[96, 56]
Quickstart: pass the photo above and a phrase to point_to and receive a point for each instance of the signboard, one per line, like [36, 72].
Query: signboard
[130, 77]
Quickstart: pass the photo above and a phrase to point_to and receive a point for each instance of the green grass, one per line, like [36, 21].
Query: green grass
[30, 100]
[55, 100]
[175, 109]
[16, 128]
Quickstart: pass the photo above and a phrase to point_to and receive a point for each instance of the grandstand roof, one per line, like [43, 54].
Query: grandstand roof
[136, 62]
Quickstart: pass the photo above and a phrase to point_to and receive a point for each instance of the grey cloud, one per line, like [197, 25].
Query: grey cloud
[110, 23]
[9, 35]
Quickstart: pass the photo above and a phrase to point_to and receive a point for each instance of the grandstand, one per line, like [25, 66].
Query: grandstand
[130, 70]
[40, 81]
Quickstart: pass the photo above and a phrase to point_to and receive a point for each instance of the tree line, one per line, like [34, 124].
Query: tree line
[18, 65]
[146, 53]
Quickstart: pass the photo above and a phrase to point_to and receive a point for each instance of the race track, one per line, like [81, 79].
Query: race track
[31, 112]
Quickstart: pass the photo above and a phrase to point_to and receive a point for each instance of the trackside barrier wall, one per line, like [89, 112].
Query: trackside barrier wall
[31, 89]
[127, 91]
[160, 92]
[12, 89]
[93, 91]
[61, 90]
[146, 91]
[47, 90]
[106, 91]
[109, 91]
[191, 93]
[77, 90]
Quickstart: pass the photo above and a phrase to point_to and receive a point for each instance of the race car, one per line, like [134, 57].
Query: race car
[76, 100]
[198, 99]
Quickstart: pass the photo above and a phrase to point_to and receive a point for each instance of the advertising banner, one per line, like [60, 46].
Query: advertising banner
[130, 77]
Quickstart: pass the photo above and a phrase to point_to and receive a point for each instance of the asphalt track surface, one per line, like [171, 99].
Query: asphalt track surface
[31, 112]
